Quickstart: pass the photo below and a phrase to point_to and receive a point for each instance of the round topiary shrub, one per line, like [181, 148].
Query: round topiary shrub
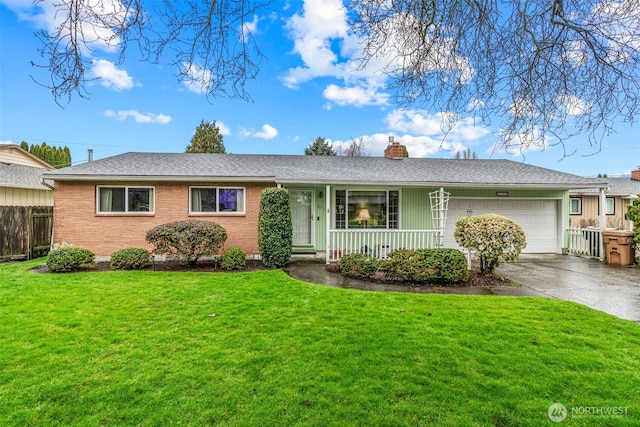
[68, 258]
[233, 258]
[358, 266]
[130, 259]
[495, 239]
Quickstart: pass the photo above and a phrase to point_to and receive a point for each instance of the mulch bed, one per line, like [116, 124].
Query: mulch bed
[476, 279]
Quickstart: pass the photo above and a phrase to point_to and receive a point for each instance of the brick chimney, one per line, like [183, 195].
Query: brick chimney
[635, 175]
[394, 150]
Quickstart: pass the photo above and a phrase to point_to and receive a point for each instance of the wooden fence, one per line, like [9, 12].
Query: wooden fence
[25, 231]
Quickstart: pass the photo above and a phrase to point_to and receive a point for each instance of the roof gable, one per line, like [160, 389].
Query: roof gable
[14, 154]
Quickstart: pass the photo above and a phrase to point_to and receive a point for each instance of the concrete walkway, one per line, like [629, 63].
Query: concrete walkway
[614, 290]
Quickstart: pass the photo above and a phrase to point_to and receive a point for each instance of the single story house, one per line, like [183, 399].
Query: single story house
[584, 204]
[338, 204]
[21, 178]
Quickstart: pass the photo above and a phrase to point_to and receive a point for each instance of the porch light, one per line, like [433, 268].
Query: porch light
[364, 216]
[470, 211]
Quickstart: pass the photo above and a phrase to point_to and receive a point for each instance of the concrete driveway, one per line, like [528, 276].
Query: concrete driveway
[612, 289]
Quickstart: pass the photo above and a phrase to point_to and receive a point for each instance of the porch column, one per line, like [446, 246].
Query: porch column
[603, 220]
[442, 214]
[327, 237]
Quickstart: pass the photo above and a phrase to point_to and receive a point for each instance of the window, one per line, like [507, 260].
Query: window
[216, 200]
[125, 199]
[367, 209]
[610, 206]
[575, 206]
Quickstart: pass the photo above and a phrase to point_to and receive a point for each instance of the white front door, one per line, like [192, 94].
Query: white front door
[302, 210]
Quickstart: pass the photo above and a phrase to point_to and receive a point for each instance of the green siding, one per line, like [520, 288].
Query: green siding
[415, 206]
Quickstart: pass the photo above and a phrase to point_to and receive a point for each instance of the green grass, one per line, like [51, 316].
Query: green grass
[142, 348]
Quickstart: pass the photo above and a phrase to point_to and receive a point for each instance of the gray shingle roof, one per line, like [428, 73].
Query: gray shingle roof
[321, 169]
[617, 187]
[12, 175]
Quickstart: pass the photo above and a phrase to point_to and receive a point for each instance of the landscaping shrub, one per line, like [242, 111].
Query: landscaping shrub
[130, 259]
[187, 240]
[275, 230]
[439, 265]
[358, 266]
[69, 258]
[633, 213]
[494, 238]
[233, 258]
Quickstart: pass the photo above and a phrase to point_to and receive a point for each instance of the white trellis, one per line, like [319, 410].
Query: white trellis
[439, 207]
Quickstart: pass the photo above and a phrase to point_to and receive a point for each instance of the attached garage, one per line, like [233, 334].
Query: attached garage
[538, 219]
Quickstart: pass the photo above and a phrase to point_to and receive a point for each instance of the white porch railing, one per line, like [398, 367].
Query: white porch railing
[378, 243]
[584, 242]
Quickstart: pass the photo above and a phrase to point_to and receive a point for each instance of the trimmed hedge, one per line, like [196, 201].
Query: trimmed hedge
[275, 230]
[68, 258]
[130, 259]
[358, 266]
[233, 258]
[188, 240]
[434, 266]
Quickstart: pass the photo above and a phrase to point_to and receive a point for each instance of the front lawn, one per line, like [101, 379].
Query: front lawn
[260, 348]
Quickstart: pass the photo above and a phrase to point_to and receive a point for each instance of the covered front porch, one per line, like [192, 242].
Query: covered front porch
[378, 243]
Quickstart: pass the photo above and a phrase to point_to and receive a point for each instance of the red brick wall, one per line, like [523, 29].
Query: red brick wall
[76, 222]
[635, 175]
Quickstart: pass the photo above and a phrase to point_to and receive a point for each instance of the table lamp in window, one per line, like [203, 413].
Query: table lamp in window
[364, 216]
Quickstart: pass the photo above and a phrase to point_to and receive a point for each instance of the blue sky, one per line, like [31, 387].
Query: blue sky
[306, 88]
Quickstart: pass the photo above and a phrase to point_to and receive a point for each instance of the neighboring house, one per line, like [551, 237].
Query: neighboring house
[21, 178]
[339, 204]
[584, 204]
[25, 204]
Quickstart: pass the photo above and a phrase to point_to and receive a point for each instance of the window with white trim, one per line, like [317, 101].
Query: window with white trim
[216, 200]
[575, 206]
[367, 209]
[114, 199]
[610, 205]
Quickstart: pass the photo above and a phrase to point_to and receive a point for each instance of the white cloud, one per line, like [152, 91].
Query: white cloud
[439, 126]
[355, 95]
[519, 144]
[197, 78]
[96, 24]
[250, 27]
[223, 129]
[138, 117]
[110, 76]
[574, 106]
[268, 132]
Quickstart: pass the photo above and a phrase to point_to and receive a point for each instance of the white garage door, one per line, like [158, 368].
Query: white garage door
[538, 219]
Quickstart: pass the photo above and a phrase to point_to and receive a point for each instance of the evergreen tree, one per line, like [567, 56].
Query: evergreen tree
[207, 139]
[320, 147]
[58, 157]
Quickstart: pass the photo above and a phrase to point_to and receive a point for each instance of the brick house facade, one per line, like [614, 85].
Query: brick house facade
[77, 222]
